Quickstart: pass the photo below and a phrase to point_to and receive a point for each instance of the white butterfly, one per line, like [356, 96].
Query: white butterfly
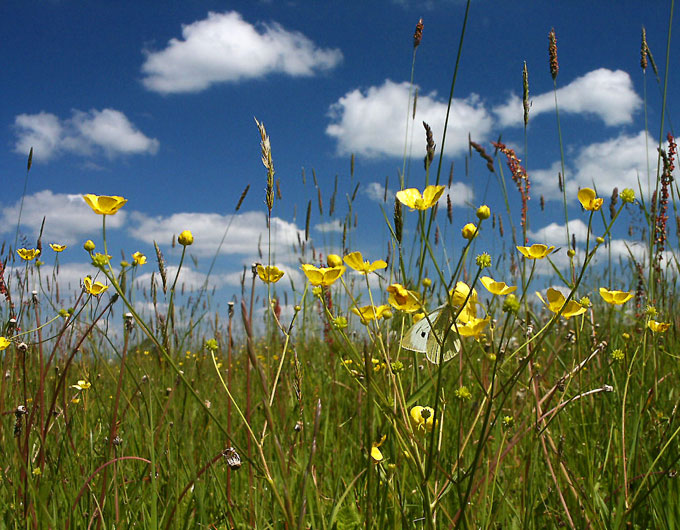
[431, 339]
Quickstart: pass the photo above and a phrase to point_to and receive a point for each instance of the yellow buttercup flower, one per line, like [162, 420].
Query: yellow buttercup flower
[104, 204]
[589, 199]
[356, 261]
[4, 343]
[376, 454]
[94, 288]
[139, 258]
[269, 274]
[458, 296]
[473, 327]
[28, 254]
[403, 299]
[536, 251]
[371, 312]
[498, 288]
[185, 238]
[413, 199]
[81, 385]
[556, 301]
[422, 419]
[615, 297]
[322, 276]
[57, 248]
[658, 327]
[460, 293]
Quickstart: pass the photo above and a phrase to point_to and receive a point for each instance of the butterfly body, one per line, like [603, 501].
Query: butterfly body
[434, 336]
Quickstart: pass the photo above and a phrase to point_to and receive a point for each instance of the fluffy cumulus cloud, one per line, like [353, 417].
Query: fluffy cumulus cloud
[225, 48]
[460, 194]
[68, 219]
[376, 192]
[617, 162]
[372, 122]
[245, 232]
[555, 233]
[604, 93]
[106, 131]
[331, 226]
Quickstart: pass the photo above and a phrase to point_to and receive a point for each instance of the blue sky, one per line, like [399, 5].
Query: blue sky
[155, 101]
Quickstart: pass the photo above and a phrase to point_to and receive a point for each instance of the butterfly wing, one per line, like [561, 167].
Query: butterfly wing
[422, 339]
[416, 338]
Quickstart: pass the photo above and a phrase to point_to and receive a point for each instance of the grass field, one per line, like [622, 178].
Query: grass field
[409, 395]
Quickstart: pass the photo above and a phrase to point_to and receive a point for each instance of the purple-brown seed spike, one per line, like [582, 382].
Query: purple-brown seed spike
[436, 236]
[612, 203]
[418, 35]
[559, 182]
[430, 146]
[542, 203]
[449, 208]
[500, 225]
[525, 93]
[643, 49]
[398, 220]
[552, 52]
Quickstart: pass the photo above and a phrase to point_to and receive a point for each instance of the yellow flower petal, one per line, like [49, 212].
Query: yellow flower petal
[473, 327]
[269, 274]
[322, 276]
[535, 251]
[658, 327]
[139, 258]
[498, 288]
[356, 261]
[57, 248]
[403, 299]
[28, 254]
[589, 200]
[94, 288]
[615, 297]
[556, 301]
[104, 204]
[412, 198]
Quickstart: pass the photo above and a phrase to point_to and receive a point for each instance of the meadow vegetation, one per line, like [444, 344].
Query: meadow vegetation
[427, 387]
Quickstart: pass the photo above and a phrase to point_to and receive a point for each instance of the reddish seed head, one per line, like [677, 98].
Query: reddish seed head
[552, 52]
[418, 35]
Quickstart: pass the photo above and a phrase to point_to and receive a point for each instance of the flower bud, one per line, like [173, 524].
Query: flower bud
[89, 245]
[483, 212]
[186, 238]
[469, 231]
[334, 260]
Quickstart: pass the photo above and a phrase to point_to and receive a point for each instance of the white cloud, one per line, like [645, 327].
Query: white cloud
[555, 234]
[617, 162]
[376, 192]
[247, 230]
[67, 218]
[90, 133]
[607, 94]
[225, 48]
[331, 226]
[461, 194]
[372, 123]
